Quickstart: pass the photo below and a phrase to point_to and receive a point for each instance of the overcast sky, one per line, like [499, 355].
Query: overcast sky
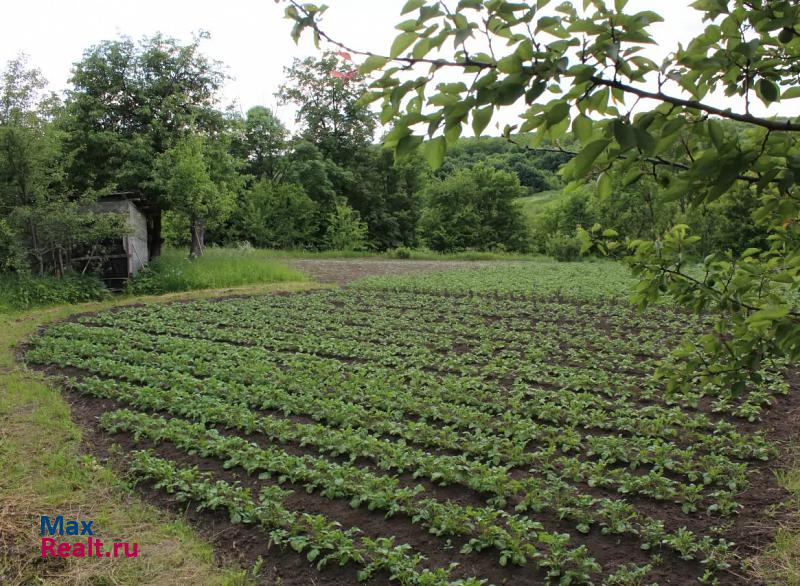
[250, 36]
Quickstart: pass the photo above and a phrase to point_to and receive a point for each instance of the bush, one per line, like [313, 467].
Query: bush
[563, 247]
[275, 215]
[26, 291]
[345, 230]
[474, 209]
[401, 252]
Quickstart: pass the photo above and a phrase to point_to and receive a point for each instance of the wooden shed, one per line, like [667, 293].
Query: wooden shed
[131, 252]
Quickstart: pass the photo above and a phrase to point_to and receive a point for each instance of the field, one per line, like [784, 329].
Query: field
[492, 426]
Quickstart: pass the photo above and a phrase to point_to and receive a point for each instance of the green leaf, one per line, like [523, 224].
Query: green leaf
[435, 150]
[586, 158]
[677, 189]
[717, 134]
[769, 313]
[407, 145]
[604, 186]
[582, 127]
[625, 135]
[645, 141]
[632, 176]
[401, 43]
[372, 63]
[767, 90]
[510, 64]
[481, 118]
[557, 113]
[412, 5]
[421, 49]
[791, 93]
[408, 26]
[537, 89]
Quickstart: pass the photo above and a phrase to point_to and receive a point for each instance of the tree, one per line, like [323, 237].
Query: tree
[262, 144]
[276, 215]
[184, 176]
[536, 170]
[130, 103]
[587, 70]
[386, 193]
[306, 167]
[328, 110]
[42, 222]
[474, 209]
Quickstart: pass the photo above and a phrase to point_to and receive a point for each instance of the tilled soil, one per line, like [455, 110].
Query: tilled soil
[344, 271]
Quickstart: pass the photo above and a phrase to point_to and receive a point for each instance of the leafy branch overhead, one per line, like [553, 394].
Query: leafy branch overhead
[582, 71]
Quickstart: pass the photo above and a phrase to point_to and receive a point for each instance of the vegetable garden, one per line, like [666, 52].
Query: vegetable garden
[484, 427]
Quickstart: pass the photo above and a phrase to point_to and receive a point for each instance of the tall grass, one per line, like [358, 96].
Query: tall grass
[217, 268]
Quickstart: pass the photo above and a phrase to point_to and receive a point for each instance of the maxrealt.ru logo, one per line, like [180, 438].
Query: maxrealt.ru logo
[86, 547]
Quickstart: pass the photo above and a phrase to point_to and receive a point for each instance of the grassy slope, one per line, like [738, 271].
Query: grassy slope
[44, 472]
[533, 205]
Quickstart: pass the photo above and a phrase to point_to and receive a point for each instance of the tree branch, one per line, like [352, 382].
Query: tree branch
[696, 105]
[659, 161]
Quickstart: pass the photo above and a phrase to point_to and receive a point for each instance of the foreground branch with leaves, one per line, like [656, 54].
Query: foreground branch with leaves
[585, 69]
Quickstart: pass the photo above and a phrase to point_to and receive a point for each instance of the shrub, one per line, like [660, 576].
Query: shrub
[563, 247]
[20, 291]
[345, 230]
[474, 209]
[276, 215]
[401, 252]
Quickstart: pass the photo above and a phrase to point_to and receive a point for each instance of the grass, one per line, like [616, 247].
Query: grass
[779, 562]
[45, 472]
[533, 205]
[218, 267]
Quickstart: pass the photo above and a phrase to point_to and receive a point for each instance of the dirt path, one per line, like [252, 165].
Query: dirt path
[343, 271]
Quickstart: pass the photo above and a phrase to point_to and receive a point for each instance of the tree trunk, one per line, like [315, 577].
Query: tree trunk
[198, 231]
[154, 239]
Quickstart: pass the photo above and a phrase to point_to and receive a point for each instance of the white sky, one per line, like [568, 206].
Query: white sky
[250, 36]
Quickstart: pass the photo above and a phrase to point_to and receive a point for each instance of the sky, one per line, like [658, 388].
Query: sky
[250, 36]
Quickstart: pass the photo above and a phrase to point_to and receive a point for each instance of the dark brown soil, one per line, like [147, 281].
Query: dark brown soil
[343, 271]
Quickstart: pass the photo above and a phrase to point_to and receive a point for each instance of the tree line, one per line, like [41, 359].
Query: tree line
[145, 119]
